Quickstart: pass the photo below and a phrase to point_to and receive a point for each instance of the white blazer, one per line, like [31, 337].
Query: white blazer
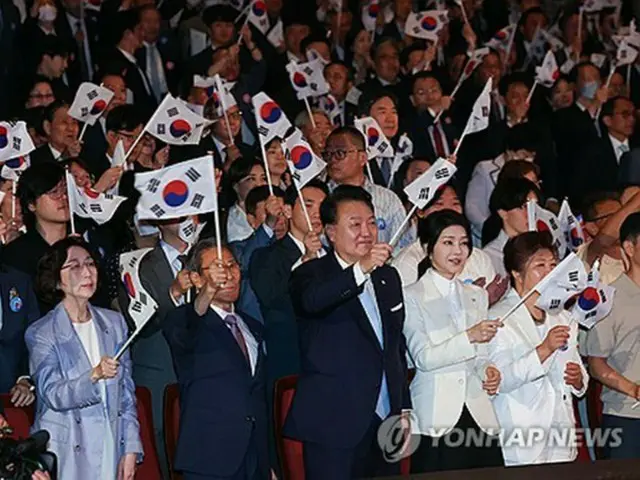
[483, 181]
[533, 395]
[449, 369]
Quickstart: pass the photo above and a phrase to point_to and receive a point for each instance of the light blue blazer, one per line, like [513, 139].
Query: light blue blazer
[69, 405]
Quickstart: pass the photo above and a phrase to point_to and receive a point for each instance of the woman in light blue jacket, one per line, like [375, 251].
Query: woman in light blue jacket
[85, 399]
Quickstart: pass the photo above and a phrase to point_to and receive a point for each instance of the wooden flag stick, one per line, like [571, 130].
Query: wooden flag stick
[216, 212]
[402, 226]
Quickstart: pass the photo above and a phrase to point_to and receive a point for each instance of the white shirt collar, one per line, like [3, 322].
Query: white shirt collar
[128, 56]
[220, 146]
[343, 264]
[444, 285]
[616, 144]
[73, 22]
[222, 313]
[298, 243]
[56, 153]
[170, 252]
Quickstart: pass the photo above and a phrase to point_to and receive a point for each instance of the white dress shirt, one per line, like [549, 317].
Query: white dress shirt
[238, 227]
[495, 250]
[249, 339]
[56, 153]
[619, 148]
[476, 205]
[171, 254]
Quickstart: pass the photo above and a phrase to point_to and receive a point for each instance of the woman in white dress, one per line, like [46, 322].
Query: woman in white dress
[447, 334]
[538, 357]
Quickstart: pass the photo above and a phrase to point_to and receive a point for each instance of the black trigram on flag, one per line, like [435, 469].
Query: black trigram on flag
[136, 306]
[192, 174]
[153, 185]
[157, 210]
[296, 176]
[133, 262]
[555, 303]
[442, 173]
[574, 276]
[485, 111]
[189, 229]
[172, 112]
[313, 86]
[590, 314]
[424, 193]
[95, 208]
[416, 30]
[553, 223]
[603, 297]
[197, 200]
[161, 129]
[17, 143]
[92, 94]
[264, 131]
[108, 196]
[84, 111]
[383, 146]
[83, 207]
[143, 297]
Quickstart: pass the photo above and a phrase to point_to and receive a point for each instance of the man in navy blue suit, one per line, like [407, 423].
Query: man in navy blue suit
[353, 366]
[219, 360]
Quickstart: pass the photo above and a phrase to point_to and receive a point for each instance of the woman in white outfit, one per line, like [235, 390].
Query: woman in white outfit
[446, 338]
[538, 357]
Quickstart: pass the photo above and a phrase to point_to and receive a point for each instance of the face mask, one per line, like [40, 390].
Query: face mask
[589, 90]
[47, 13]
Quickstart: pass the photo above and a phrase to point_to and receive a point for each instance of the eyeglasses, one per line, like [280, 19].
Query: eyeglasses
[339, 155]
[76, 267]
[57, 192]
[234, 116]
[227, 266]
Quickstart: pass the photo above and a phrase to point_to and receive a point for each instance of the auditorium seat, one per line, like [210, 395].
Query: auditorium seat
[19, 418]
[171, 424]
[290, 451]
[150, 467]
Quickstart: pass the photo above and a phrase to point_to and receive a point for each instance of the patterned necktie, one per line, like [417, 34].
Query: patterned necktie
[152, 66]
[385, 169]
[232, 322]
[438, 141]
[82, 57]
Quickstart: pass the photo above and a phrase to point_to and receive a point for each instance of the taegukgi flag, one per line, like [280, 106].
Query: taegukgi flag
[186, 188]
[15, 140]
[90, 102]
[88, 203]
[271, 120]
[303, 163]
[141, 305]
[422, 190]
[377, 144]
[174, 123]
[426, 24]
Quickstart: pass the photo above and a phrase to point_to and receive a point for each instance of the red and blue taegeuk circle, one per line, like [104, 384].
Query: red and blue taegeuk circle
[128, 285]
[329, 104]
[542, 226]
[259, 8]
[4, 137]
[98, 107]
[15, 163]
[373, 9]
[576, 239]
[91, 193]
[179, 128]
[589, 299]
[175, 193]
[429, 23]
[372, 136]
[299, 80]
[270, 112]
[301, 157]
[501, 35]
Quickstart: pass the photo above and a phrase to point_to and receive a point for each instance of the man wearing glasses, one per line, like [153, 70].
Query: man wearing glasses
[346, 158]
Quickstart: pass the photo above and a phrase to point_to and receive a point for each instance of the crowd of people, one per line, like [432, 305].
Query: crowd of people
[383, 310]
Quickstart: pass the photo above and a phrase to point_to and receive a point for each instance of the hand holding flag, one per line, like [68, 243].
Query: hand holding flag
[479, 118]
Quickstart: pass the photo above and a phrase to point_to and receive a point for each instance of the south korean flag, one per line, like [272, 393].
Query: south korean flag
[141, 305]
[186, 188]
[422, 190]
[377, 143]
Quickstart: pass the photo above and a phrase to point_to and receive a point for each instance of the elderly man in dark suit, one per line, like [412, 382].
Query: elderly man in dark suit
[353, 365]
[219, 357]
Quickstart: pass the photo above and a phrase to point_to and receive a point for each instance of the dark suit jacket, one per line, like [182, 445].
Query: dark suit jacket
[222, 405]
[243, 251]
[170, 55]
[269, 273]
[133, 78]
[42, 154]
[94, 150]
[19, 310]
[11, 58]
[418, 131]
[341, 359]
[597, 170]
[206, 145]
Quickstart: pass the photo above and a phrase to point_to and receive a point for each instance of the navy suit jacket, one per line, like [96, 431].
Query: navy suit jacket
[14, 360]
[221, 403]
[341, 359]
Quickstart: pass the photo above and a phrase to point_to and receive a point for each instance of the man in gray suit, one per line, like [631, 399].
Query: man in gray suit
[163, 278]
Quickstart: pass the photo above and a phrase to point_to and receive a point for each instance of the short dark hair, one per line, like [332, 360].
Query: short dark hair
[194, 262]
[241, 168]
[517, 169]
[34, 182]
[34, 117]
[382, 41]
[590, 202]
[575, 71]
[416, 46]
[512, 79]
[47, 283]
[342, 194]
[512, 193]
[370, 96]
[52, 46]
[424, 74]
[430, 229]
[291, 194]
[610, 105]
[218, 13]
[340, 63]
[531, 11]
[123, 117]
[522, 247]
[260, 194]
[353, 133]
[123, 21]
[314, 37]
[51, 109]
[630, 228]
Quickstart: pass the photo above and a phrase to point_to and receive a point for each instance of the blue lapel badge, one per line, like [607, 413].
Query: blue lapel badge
[15, 302]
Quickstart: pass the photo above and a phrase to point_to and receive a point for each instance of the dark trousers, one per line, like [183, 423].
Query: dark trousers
[440, 454]
[628, 430]
[249, 469]
[324, 462]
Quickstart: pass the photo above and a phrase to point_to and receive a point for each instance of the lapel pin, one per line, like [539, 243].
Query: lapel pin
[15, 302]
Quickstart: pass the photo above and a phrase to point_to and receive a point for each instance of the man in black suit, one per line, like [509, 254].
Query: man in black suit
[386, 58]
[598, 170]
[19, 309]
[220, 21]
[62, 136]
[353, 366]
[127, 33]
[340, 80]
[219, 357]
[159, 56]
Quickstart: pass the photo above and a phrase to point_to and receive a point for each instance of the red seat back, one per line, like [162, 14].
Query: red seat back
[289, 451]
[19, 418]
[171, 424]
[150, 467]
